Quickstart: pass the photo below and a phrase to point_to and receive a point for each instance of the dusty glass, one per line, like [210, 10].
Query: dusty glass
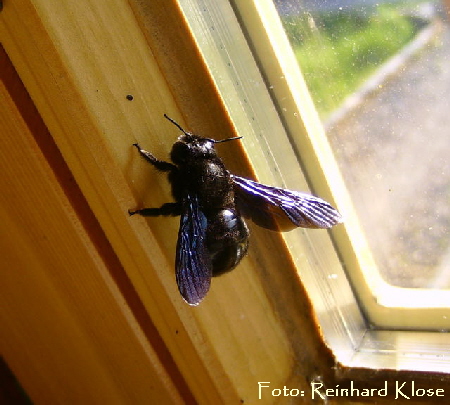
[379, 73]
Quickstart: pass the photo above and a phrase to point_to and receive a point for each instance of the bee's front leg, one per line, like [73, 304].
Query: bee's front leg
[168, 209]
[159, 164]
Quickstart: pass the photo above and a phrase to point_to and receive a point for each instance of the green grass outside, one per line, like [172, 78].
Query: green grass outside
[338, 51]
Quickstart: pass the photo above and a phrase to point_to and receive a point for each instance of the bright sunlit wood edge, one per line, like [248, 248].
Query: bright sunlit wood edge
[385, 306]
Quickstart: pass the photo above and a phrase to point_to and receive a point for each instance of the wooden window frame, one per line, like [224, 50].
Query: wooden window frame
[78, 62]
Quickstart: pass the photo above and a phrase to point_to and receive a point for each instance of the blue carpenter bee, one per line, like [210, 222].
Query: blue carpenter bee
[213, 237]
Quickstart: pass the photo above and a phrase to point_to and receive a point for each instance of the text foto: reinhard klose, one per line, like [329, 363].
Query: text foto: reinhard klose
[401, 389]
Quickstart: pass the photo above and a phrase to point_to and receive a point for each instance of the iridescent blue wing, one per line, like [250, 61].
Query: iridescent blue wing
[192, 263]
[270, 206]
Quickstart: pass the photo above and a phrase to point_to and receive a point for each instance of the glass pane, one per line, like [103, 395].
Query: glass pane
[379, 73]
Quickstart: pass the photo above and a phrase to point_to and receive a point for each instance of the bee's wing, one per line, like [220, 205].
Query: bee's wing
[192, 263]
[262, 203]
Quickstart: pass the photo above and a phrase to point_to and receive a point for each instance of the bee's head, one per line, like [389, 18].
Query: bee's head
[191, 146]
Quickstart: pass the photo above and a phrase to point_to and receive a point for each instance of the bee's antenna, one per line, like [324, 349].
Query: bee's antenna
[175, 123]
[228, 139]
[184, 132]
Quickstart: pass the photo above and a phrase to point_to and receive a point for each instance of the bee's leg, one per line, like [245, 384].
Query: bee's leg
[159, 164]
[167, 209]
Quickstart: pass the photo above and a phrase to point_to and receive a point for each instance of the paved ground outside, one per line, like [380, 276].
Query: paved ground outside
[394, 152]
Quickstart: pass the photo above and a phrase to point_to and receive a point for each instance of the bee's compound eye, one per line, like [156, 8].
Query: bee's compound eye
[180, 152]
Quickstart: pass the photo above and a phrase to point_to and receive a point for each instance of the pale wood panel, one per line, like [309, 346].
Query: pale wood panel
[67, 333]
